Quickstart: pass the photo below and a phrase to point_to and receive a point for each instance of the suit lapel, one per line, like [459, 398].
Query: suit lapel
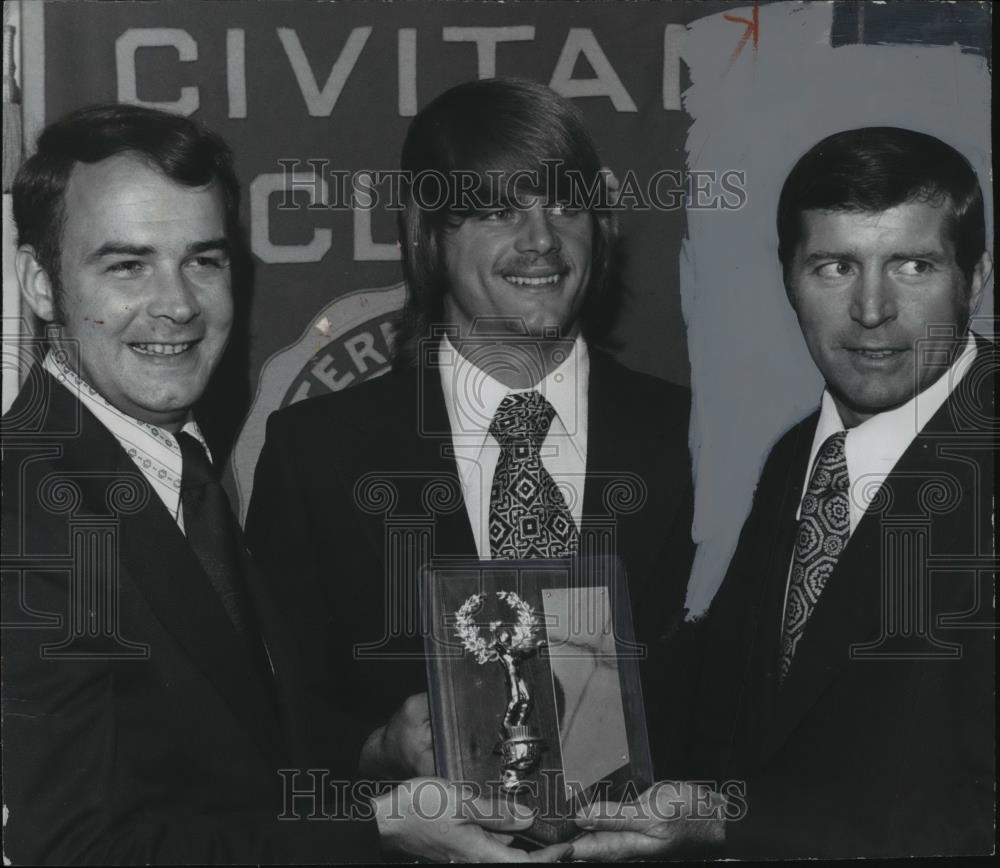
[407, 437]
[155, 556]
[623, 453]
[847, 610]
[180, 595]
[775, 543]
[453, 533]
[850, 608]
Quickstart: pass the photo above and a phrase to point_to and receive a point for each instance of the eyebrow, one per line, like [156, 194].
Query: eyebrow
[485, 205]
[220, 244]
[114, 248]
[821, 255]
[931, 255]
[852, 256]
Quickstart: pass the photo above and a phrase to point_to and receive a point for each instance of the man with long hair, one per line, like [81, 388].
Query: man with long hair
[503, 430]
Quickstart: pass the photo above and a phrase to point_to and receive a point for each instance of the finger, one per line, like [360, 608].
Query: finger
[607, 817]
[491, 850]
[612, 846]
[552, 853]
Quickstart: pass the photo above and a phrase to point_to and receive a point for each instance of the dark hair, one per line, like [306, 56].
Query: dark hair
[873, 169]
[498, 130]
[181, 148]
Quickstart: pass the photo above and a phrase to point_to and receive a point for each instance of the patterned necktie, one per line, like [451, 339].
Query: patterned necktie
[824, 527]
[211, 530]
[529, 517]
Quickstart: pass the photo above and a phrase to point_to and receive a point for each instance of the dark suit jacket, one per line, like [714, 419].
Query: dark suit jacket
[880, 742]
[355, 491]
[135, 726]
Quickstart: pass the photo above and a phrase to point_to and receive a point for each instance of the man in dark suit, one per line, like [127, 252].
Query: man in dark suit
[151, 710]
[509, 243]
[848, 683]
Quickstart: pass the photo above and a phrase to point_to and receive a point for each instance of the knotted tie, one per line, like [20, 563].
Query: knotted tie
[824, 527]
[529, 517]
[213, 534]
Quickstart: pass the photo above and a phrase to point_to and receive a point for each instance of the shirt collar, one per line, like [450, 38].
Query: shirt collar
[120, 424]
[873, 447]
[472, 396]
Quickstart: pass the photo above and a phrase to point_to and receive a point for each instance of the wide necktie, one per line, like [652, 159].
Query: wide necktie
[824, 528]
[529, 517]
[212, 531]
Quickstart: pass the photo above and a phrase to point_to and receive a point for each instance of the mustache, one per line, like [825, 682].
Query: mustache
[555, 261]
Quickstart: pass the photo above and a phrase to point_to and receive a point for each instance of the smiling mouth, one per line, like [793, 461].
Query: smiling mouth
[875, 354]
[163, 349]
[521, 280]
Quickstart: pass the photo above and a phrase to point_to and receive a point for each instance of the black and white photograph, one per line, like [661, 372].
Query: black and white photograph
[460, 431]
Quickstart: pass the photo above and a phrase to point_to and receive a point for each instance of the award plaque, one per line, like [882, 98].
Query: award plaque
[534, 684]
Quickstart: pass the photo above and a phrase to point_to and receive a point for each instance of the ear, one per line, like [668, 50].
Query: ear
[36, 286]
[980, 274]
[613, 187]
[789, 291]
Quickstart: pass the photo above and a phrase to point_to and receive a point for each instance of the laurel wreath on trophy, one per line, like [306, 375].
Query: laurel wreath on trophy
[483, 647]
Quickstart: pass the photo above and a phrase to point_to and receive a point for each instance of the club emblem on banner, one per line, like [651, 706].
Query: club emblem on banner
[347, 342]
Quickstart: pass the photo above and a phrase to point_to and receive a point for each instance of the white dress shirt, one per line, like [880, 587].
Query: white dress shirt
[472, 397]
[154, 450]
[873, 447]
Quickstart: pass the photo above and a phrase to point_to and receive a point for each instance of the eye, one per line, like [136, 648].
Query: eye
[498, 215]
[835, 270]
[915, 268]
[209, 262]
[126, 268]
[561, 209]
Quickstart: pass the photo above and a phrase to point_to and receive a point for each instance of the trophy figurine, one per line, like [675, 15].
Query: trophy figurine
[521, 746]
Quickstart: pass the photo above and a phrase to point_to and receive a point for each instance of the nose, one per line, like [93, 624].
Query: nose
[873, 301]
[174, 298]
[537, 234]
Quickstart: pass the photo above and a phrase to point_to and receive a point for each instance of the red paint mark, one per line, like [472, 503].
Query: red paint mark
[752, 31]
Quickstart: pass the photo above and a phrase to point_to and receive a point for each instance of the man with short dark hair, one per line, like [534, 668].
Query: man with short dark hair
[502, 432]
[151, 710]
[849, 682]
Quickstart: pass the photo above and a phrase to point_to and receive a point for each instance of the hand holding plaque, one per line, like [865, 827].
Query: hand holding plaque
[671, 818]
[534, 689]
[402, 747]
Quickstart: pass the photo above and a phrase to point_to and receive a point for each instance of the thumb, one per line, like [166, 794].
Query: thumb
[503, 815]
[417, 707]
